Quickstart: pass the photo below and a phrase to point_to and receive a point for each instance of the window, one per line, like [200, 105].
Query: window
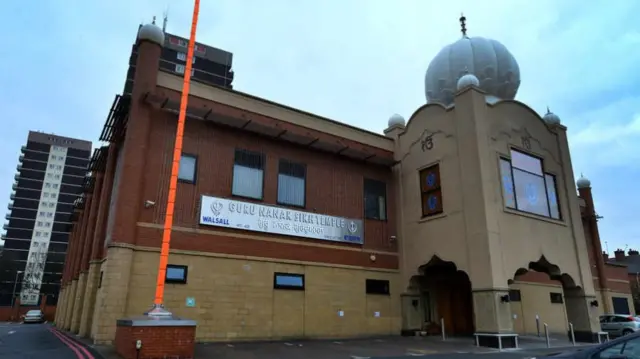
[375, 199]
[57, 176]
[58, 167]
[180, 69]
[288, 281]
[49, 215]
[53, 195]
[42, 214]
[176, 274]
[38, 234]
[431, 192]
[627, 349]
[620, 305]
[51, 204]
[556, 298]
[527, 188]
[47, 185]
[187, 170]
[291, 183]
[515, 295]
[52, 166]
[45, 195]
[377, 286]
[248, 174]
[183, 57]
[40, 224]
[55, 186]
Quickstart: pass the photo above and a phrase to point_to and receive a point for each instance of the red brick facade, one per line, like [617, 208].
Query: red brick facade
[157, 342]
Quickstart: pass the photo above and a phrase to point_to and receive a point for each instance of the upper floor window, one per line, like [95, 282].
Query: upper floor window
[248, 174]
[430, 190]
[375, 199]
[291, 183]
[526, 187]
[187, 169]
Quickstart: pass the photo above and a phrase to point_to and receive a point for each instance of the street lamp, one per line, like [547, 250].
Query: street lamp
[15, 284]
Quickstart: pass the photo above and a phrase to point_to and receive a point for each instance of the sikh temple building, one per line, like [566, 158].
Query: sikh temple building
[291, 225]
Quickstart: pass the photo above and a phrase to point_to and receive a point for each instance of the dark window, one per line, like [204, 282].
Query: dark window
[248, 174]
[527, 188]
[291, 183]
[33, 175]
[620, 305]
[377, 286]
[431, 191]
[375, 199]
[187, 170]
[515, 295]
[78, 162]
[176, 274]
[74, 171]
[27, 193]
[288, 281]
[556, 298]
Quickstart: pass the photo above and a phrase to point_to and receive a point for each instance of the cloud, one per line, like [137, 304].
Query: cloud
[356, 61]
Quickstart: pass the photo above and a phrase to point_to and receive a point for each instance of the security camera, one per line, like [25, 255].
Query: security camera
[149, 204]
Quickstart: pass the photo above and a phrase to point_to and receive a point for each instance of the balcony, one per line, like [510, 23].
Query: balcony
[19, 167]
[21, 157]
[8, 216]
[16, 177]
[12, 196]
[14, 186]
[23, 148]
[6, 226]
[10, 205]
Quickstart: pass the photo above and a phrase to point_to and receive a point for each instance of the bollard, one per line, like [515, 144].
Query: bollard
[546, 335]
[444, 336]
[538, 324]
[573, 335]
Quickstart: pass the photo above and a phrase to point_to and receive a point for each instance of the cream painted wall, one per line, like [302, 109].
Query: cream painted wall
[535, 301]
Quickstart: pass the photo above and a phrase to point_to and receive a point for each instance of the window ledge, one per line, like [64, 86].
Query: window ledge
[431, 218]
[533, 216]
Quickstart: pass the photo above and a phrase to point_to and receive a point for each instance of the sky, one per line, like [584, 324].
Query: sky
[355, 61]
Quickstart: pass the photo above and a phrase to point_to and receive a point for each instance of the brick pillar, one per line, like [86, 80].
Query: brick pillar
[66, 277]
[86, 250]
[75, 265]
[592, 222]
[98, 239]
[81, 277]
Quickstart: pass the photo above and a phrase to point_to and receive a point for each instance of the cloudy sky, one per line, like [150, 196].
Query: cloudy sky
[356, 61]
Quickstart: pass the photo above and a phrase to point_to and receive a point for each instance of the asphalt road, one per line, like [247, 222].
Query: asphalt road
[37, 341]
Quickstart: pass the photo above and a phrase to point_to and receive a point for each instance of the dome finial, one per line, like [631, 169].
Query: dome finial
[463, 25]
[154, 20]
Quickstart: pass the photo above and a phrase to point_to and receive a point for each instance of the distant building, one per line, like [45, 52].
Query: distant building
[49, 179]
[632, 262]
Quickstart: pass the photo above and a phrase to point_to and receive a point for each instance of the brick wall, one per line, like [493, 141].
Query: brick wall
[157, 342]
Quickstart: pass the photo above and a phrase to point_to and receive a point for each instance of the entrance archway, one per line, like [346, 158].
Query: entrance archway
[446, 294]
[542, 293]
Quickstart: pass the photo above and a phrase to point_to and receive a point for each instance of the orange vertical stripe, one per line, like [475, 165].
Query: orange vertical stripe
[177, 153]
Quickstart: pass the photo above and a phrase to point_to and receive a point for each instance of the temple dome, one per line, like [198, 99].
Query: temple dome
[488, 60]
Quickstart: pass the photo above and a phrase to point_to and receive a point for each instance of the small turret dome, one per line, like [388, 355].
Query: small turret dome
[151, 32]
[468, 80]
[396, 120]
[551, 118]
[583, 182]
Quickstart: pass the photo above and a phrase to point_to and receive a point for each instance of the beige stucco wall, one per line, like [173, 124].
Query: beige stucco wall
[535, 301]
[235, 299]
[476, 231]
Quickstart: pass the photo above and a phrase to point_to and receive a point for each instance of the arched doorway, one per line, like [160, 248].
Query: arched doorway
[446, 294]
[540, 293]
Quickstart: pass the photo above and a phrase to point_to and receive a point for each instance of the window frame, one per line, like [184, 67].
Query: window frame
[177, 281]
[195, 168]
[364, 199]
[233, 172]
[516, 208]
[369, 284]
[424, 194]
[304, 171]
[288, 287]
[556, 298]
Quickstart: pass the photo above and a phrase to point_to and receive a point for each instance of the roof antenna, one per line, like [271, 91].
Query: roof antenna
[165, 18]
[463, 25]
[154, 20]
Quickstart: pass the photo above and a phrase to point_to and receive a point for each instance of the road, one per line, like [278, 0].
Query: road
[38, 341]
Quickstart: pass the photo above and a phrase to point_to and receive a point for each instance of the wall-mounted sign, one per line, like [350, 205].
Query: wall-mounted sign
[222, 212]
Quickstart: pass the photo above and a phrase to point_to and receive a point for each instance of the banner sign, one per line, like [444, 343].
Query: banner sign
[222, 212]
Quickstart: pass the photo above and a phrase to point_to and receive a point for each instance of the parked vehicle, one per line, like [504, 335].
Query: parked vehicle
[619, 324]
[33, 316]
[626, 347]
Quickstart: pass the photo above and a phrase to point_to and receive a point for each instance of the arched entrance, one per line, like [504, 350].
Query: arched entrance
[446, 294]
[541, 293]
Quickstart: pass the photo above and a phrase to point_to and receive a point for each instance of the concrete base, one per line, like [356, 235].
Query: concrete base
[160, 337]
[497, 340]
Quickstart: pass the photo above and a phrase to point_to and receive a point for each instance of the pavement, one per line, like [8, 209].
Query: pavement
[38, 341]
[43, 341]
